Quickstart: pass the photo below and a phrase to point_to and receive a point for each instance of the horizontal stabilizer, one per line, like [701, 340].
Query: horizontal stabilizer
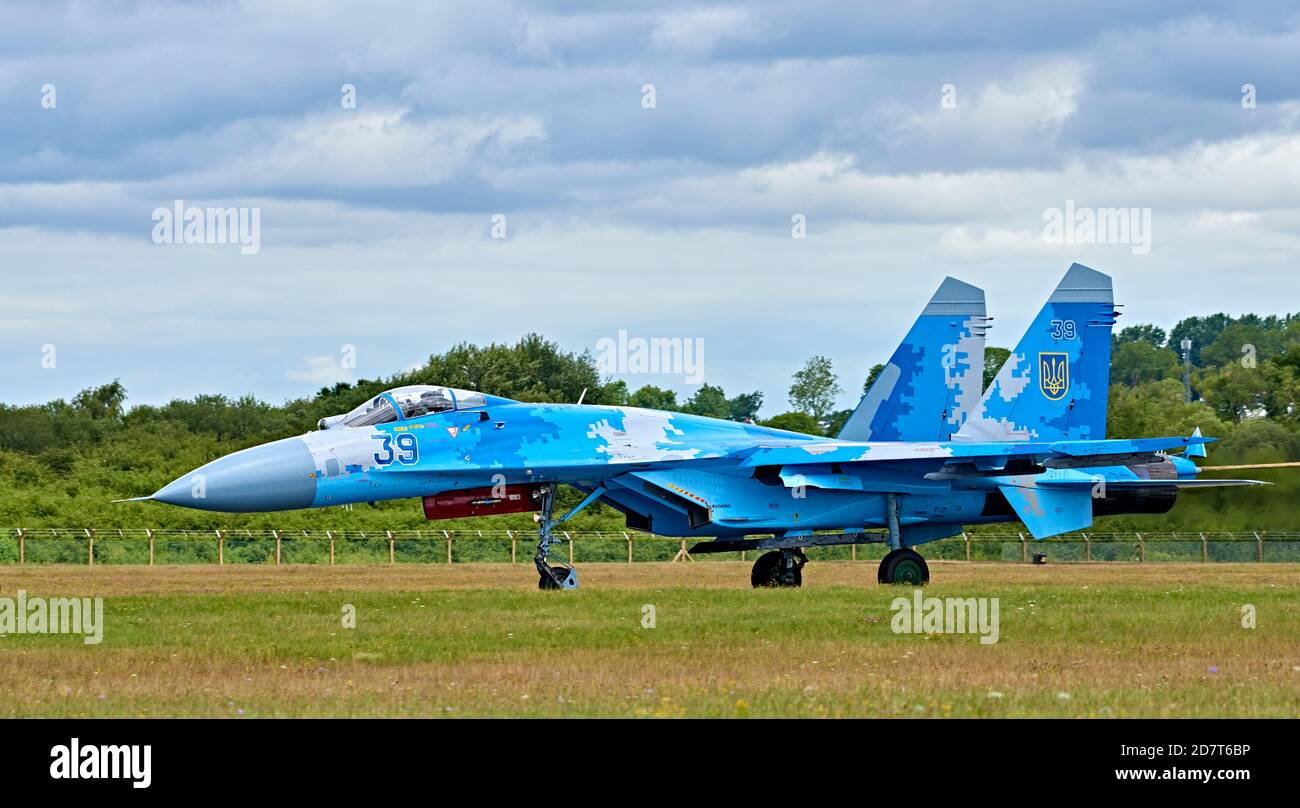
[1101, 448]
[1050, 511]
[987, 456]
[134, 499]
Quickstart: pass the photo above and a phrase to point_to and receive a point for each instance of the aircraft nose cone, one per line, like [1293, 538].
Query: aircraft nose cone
[275, 476]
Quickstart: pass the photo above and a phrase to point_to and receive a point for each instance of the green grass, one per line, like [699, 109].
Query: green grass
[1075, 641]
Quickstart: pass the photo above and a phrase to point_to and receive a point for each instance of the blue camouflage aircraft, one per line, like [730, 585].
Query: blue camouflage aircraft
[925, 453]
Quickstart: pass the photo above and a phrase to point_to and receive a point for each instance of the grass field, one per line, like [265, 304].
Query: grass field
[479, 640]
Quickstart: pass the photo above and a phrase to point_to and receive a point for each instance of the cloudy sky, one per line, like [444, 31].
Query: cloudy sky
[917, 140]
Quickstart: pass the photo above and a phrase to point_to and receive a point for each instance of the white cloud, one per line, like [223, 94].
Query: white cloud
[1027, 109]
[832, 112]
[700, 31]
[321, 371]
[358, 150]
[995, 242]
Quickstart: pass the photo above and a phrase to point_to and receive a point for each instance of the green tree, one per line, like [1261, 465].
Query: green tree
[1159, 408]
[653, 398]
[105, 401]
[1138, 361]
[1245, 342]
[1238, 392]
[709, 400]
[612, 393]
[794, 422]
[994, 359]
[533, 369]
[1150, 334]
[837, 421]
[745, 406]
[1263, 441]
[1200, 330]
[1291, 358]
[815, 387]
[872, 375]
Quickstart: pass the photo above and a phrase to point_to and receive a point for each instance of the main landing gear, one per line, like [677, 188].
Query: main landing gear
[785, 568]
[550, 576]
[779, 568]
[903, 566]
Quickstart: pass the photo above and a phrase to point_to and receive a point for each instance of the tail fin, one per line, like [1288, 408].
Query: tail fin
[933, 380]
[1055, 383]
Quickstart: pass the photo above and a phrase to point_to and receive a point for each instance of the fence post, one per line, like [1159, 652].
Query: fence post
[1024, 549]
[1142, 548]
[221, 548]
[90, 547]
[276, 533]
[682, 555]
[965, 537]
[514, 546]
[391, 549]
[1259, 548]
[629, 547]
[1205, 550]
[1087, 547]
[742, 555]
[570, 540]
[22, 558]
[330, 533]
[448, 537]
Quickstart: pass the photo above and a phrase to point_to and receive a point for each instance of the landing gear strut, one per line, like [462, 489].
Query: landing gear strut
[550, 576]
[903, 566]
[779, 568]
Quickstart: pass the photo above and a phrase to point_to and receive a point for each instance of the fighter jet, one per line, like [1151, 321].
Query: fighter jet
[923, 455]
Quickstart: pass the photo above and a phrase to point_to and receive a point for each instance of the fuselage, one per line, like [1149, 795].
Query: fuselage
[647, 463]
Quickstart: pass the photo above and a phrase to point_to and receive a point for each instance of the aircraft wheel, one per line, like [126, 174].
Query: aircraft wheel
[769, 570]
[904, 566]
[545, 581]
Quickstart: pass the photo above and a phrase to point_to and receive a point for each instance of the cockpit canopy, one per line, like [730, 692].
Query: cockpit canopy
[404, 403]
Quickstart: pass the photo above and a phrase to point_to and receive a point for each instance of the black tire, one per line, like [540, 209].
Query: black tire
[768, 571]
[544, 582]
[904, 566]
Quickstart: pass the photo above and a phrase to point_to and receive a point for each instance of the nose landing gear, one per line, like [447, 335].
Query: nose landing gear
[558, 577]
[550, 576]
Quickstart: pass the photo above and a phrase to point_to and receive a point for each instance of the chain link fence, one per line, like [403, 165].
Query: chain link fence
[430, 546]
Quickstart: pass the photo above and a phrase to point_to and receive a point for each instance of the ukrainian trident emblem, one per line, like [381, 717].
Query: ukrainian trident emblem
[1054, 375]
